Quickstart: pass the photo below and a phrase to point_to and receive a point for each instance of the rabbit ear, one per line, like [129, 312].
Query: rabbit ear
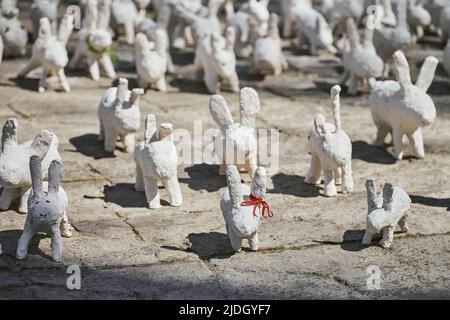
[258, 186]
[104, 13]
[230, 38]
[388, 191]
[319, 125]
[220, 112]
[165, 131]
[249, 106]
[353, 34]
[150, 128]
[426, 74]
[36, 176]
[273, 26]
[65, 28]
[371, 189]
[92, 14]
[41, 144]
[55, 174]
[234, 186]
[402, 8]
[402, 69]
[136, 94]
[9, 133]
[122, 91]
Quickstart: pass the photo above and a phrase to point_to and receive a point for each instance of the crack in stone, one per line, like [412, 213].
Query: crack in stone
[133, 228]
[19, 113]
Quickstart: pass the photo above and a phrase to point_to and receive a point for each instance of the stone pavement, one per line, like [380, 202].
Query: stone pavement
[310, 249]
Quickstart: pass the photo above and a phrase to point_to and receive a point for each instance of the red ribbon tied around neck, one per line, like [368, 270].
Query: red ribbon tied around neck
[255, 202]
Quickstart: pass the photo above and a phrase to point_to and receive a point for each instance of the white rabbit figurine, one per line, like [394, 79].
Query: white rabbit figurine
[402, 108]
[151, 63]
[119, 116]
[157, 160]
[236, 143]
[95, 40]
[243, 207]
[49, 51]
[46, 209]
[215, 61]
[12, 32]
[14, 157]
[385, 212]
[331, 151]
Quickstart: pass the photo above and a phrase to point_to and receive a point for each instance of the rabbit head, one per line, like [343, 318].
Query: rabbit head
[45, 208]
[420, 108]
[127, 106]
[100, 39]
[45, 28]
[224, 59]
[258, 9]
[14, 36]
[417, 15]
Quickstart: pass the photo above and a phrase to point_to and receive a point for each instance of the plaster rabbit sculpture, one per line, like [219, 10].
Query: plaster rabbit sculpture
[435, 8]
[239, 206]
[403, 108]
[236, 143]
[250, 23]
[95, 41]
[157, 160]
[50, 53]
[338, 11]
[151, 64]
[331, 151]
[268, 58]
[312, 25]
[385, 212]
[388, 39]
[14, 174]
[44, 8]
[360, 60]
[446, 60]
[46, 209]
[417, 16]
[13, 33]
[119, 116]
[202, 25]
[124, 14]
[215, 61]
[287, 7]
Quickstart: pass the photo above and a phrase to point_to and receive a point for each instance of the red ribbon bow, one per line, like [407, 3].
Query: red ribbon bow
[255, 202]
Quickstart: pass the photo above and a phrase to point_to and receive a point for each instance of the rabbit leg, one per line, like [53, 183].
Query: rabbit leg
[63, 80]
[8, 196]
[101, 135]
[31, 65]
[152, 193]
[337, 172]
[129, 141]
[42, 80]
[173, 189]
[110, 139]
[314, 172]
[235, 240]
[382, 132]
[56, 243]
[253, 242]
[211, 81]
[352, 88]
[329, 188]
[234, 82]
[139, 185]
[347, 178]
[129, 31]
[416, 141]
[403, 224]
[344, 77]
[397, 137]
[313, 45]
[367, 239]
[161, 84]
[388, 237]
[25, 238]
[94, 69]
[65, 227]
[108, 66]
[23, 203]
